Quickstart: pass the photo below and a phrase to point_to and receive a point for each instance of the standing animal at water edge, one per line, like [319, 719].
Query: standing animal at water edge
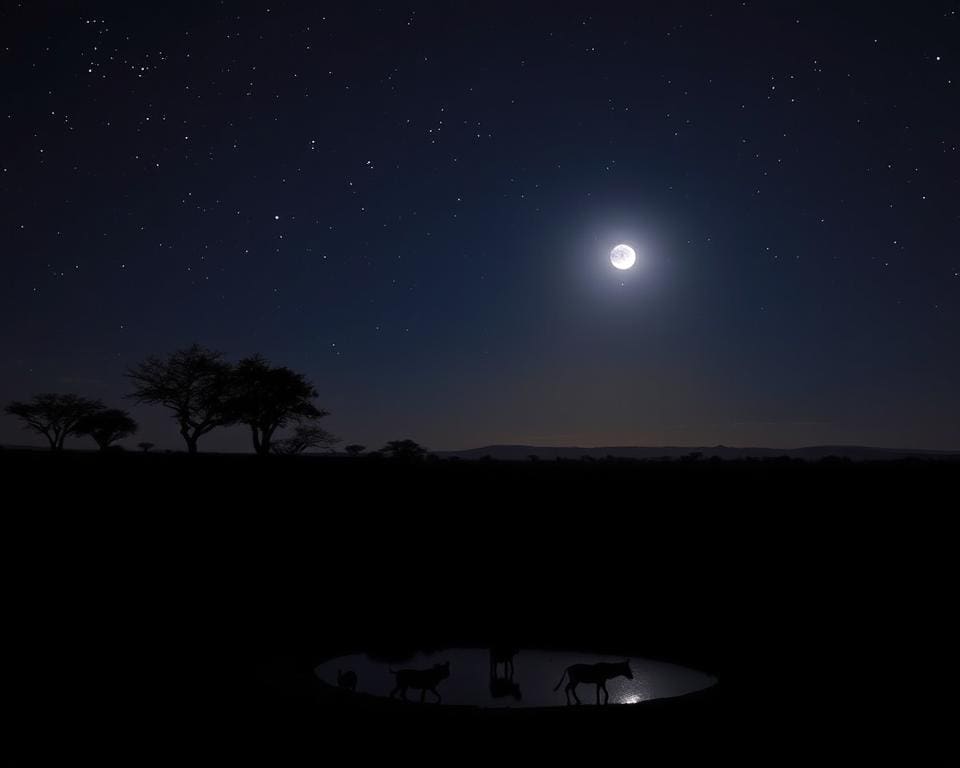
[424, 679]
[597, 674]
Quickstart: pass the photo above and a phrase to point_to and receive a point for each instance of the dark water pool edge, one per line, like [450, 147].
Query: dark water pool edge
[705, 697]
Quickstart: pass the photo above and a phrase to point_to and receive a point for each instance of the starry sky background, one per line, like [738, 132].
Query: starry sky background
[414, 203]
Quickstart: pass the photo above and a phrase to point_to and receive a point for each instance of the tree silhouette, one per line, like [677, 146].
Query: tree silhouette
[305, 437]
[354, 449]
[54, 416]
[267, 398]
[404, 450]
[193, 383]
[107, 426]
[145, 446]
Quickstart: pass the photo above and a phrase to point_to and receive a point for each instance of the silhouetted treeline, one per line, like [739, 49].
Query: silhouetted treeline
[202, 391]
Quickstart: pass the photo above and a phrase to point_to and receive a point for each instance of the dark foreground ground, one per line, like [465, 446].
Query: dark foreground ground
[163, 607]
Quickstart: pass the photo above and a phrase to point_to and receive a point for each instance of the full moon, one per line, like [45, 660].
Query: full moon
[623, 257]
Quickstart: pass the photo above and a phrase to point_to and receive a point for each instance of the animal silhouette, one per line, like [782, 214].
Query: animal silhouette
[597, 674]
[501, 654]
[347, 680]
[424, 679]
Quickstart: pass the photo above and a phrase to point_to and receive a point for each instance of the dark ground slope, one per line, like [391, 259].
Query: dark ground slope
[163, 603]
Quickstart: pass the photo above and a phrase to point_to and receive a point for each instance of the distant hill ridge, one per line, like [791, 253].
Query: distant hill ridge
[814, 452]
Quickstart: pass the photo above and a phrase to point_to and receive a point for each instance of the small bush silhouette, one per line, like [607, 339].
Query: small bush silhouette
[305, 437]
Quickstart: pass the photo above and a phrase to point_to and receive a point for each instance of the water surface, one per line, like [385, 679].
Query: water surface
[535, 675]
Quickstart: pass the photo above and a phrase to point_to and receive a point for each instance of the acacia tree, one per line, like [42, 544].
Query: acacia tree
[305, 437]
[107, 426]
[268, 398]
[54, 416]
[193, 383]
[404, 450]
[355, 449]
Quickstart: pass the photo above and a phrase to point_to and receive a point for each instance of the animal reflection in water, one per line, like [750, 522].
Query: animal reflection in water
[502, 654]
[598, 674]
[423, 679]
[501, 686]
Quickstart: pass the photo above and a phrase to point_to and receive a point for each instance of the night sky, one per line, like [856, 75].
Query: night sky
[414, 204]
